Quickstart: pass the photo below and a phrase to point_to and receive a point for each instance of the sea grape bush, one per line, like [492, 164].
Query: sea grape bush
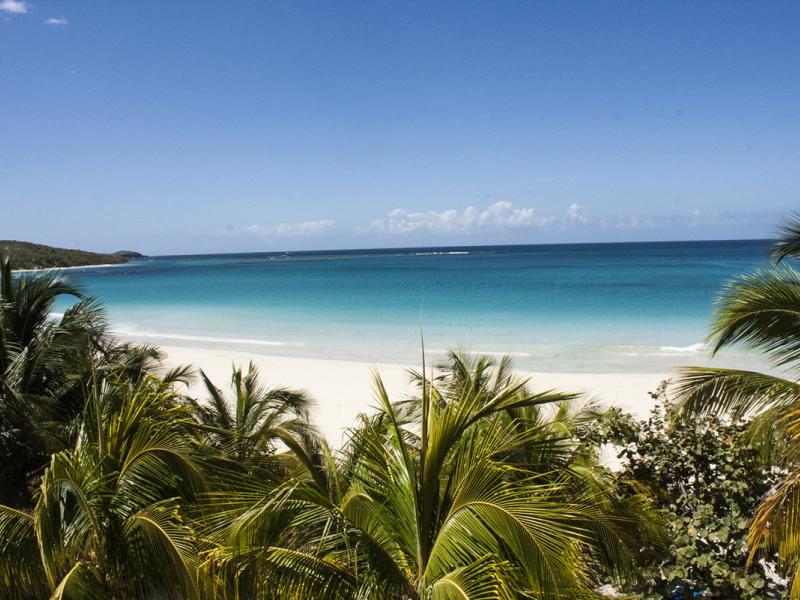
[707, 480]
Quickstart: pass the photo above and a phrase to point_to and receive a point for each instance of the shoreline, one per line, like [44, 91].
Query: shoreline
[42, 269]
[342, 389]
[579, 361]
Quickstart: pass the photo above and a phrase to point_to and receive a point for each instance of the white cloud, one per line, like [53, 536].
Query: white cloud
[503, 214]
[305, 228]
[56, 22]
[498, 216]
[402, 221]
[575, 216]
[17, 7]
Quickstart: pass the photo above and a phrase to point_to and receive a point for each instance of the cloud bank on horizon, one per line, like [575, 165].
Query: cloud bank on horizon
[498, 218]
[305, 228]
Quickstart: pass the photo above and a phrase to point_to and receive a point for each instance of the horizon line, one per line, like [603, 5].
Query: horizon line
[456, 246]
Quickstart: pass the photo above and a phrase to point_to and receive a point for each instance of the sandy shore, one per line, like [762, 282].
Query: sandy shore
[41, 269]
[343, 389]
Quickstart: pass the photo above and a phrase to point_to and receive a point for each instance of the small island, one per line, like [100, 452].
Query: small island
[27, 255]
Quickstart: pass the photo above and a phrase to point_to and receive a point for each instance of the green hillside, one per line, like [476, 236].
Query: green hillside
[25, 255]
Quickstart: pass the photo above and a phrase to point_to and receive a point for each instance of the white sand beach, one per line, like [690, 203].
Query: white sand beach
[343, 389]
[75, 268]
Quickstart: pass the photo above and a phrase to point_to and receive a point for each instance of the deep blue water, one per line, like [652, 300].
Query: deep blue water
[590, 307]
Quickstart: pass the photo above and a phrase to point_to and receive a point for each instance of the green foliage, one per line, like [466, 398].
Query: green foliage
[247, 426]
[760, 312]
[788, 243]
[37, 256]
[46, 363]
[109, 519]
[708, 481]
[475, 488]
[42, 368]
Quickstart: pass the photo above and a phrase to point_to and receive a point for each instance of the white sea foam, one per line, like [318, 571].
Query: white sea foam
[692, 349]
[484, 352]
[75, 268]
[205, 338]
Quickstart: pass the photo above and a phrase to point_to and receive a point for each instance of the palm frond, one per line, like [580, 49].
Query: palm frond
[761, 311]
[164, 547]
[21, 571]
[296, 574]
[484, 579]
[776, 525]
[705, 390]
[81, 581]
[788, 243]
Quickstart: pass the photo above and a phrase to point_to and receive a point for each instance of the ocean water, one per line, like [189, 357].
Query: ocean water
[577, 307]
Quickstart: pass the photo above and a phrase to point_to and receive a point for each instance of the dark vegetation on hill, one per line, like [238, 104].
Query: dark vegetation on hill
[26, 255]
[129, 254]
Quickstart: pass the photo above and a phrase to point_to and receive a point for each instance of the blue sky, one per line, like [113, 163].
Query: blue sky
[179, 127]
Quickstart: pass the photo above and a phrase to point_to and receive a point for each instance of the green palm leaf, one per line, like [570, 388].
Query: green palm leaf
[704, 390]
[484, 579]
[788, 243]
[163, 547]
[21, 572]
[81, 581]
[762, 311]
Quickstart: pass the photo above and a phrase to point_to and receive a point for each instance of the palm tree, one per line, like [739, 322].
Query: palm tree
[109, 521]
[249, 426]
[564, 452]
[46, 364]
[426, 500]
[41, 372]
[761, 311]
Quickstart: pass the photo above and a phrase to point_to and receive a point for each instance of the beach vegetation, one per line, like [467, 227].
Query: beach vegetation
[761, 311]
[706, 479]
[109, 517]
[47, 361]
[476, 487]
[247, 424]
[42, 373]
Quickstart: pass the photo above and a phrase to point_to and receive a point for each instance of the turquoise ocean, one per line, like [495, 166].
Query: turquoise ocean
[572, 308]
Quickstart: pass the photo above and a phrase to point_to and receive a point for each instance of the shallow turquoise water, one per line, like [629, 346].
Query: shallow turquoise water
[587, 307]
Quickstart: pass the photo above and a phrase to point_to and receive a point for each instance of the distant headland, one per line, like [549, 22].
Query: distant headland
[26, 255]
